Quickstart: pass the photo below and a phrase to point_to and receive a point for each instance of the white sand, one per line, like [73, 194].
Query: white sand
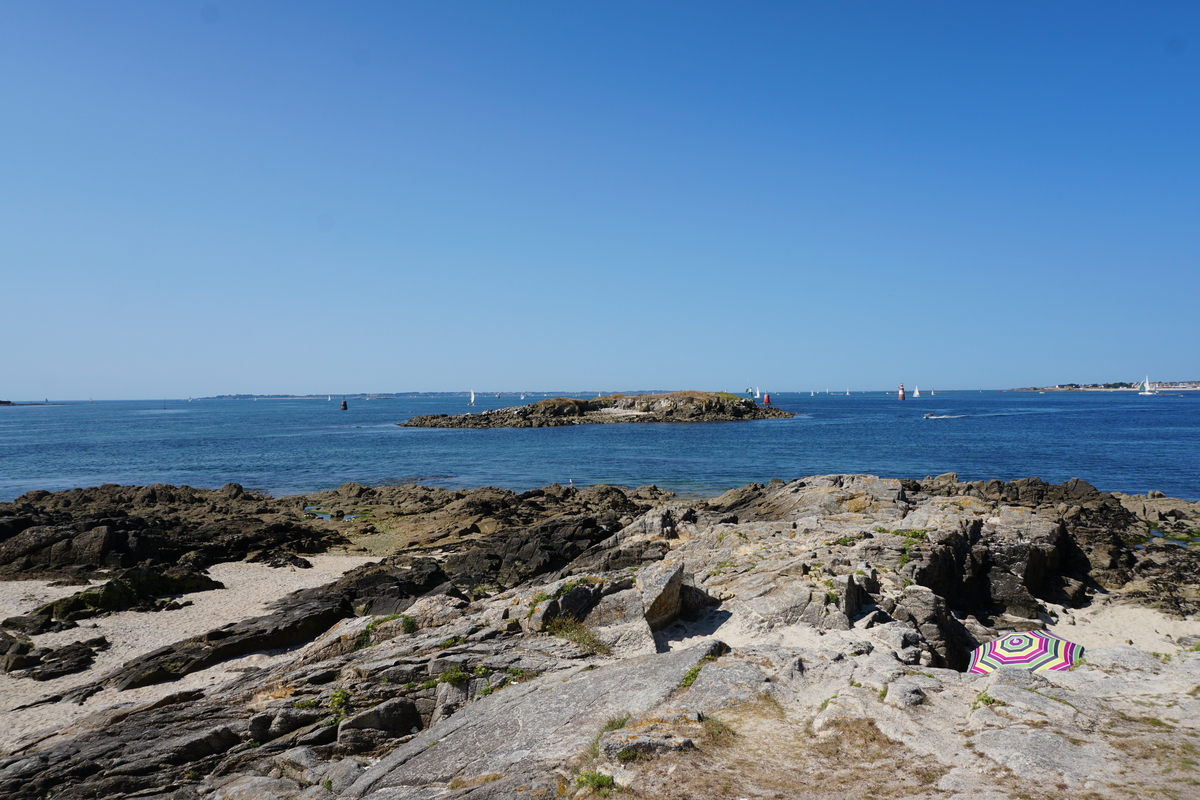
[250, 588]
[1110, 623]
[1105, 623]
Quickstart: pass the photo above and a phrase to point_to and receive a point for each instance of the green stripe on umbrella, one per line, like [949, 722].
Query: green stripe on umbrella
[1032, 650]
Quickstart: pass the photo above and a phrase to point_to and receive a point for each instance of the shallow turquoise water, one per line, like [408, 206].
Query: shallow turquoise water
[1117, 441]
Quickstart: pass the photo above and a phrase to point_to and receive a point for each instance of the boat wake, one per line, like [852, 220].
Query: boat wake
[946, 416]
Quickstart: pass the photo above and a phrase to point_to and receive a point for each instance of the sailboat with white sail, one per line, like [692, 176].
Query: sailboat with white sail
[472, 400]
[916, 392]
[1147, 387]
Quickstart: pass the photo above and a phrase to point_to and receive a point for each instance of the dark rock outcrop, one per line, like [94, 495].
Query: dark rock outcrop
[139, 588]
[515, 555]
[195, 530]
[42, 664]
[673, 407]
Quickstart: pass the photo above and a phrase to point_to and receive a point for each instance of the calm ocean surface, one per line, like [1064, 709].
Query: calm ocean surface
[1115, 440]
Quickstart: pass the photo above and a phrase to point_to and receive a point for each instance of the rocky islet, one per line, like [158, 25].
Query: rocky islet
[545, 643]
[674, 407]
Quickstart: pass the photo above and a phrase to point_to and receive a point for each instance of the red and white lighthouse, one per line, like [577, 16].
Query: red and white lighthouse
[902, 391]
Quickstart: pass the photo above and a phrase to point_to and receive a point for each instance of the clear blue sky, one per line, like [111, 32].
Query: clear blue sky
[286, 197]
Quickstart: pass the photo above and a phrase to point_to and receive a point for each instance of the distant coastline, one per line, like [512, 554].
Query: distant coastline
[1162, 386]
[1174, 386]
[404, 395]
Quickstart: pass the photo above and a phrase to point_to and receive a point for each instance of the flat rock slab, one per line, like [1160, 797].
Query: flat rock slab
[1041, 753]
[725, 683]
[544, 721]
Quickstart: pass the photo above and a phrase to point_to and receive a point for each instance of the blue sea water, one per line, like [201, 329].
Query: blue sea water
[1117, 441]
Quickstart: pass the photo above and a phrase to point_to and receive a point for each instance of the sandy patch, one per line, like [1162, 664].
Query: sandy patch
[1109, 623]
[249, 590]
[1105, 623]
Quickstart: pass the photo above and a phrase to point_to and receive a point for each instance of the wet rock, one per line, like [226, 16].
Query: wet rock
[518, 554]
[15, 653]
[131, 590]
[47, 664]
[11, 526]
[34, 624]
[114, 527]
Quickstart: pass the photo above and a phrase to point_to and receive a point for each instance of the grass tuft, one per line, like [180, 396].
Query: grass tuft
[364, 638]
[717, 733]
[985, 699]
[690, 677]
[574, 631]
[454, 675]
[596, 781]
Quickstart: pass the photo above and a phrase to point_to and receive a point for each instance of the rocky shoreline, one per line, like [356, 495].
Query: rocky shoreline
[613, 409]
[551, 643]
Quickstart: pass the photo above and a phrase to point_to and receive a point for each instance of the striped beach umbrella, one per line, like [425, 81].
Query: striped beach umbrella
[1032, 650]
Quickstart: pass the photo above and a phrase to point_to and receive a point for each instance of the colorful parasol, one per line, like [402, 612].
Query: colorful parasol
[1032, 650]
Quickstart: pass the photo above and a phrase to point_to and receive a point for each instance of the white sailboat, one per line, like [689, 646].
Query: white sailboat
[757, 394]
[472, 401]
[916, 392]
[1147, 388]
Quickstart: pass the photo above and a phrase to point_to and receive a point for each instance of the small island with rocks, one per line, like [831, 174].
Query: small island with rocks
[671, 407]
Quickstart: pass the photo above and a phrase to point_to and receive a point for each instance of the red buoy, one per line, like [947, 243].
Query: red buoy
[766, 399]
